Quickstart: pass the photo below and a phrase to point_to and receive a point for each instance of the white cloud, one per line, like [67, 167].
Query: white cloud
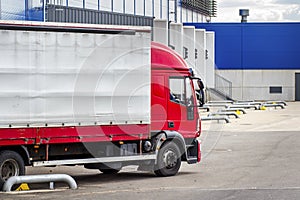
[292, 14]
[296, 2]
[260, 11]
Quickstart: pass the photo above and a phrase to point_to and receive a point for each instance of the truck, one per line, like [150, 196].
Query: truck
[101, 96]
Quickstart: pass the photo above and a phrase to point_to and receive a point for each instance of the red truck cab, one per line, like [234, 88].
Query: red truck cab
[173, 104]
[173, 100]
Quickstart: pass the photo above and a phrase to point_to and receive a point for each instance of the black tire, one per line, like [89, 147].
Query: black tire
[109, 171]
[168, 160]
[11, 164]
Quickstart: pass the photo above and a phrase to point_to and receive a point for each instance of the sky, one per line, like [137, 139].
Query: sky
[259, 10]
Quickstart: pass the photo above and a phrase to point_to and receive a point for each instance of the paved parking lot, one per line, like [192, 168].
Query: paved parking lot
[254, 157]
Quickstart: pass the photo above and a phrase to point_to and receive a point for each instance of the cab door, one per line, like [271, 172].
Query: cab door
[181, 106]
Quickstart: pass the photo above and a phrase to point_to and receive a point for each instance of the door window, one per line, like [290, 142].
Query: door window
[189, 99]
[177, 90]
[181, 92]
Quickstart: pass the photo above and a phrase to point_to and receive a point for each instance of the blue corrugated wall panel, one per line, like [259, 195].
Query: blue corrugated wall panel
[255, 45]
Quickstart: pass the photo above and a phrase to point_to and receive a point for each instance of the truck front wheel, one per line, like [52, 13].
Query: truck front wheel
[168, 160]
[11, 164]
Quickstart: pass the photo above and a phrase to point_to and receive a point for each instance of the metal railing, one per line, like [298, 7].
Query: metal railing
[223, 86]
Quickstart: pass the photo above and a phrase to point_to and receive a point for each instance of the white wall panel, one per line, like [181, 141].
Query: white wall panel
[210, 62]
[190, 15]
[195, 17]
[91, 4]
[139, 7]
[278, 77]
[165, 10]
[76, 3]
[200, 45]
[255, 84]
[184, 15]
[179, 14]
[129, 5]
[118, 6]
[262, 94]
[237, 93]
[160, 31]
[157, 9]
[176, 37]
[235, 76]
[105, 5]
[148, 7]
[189, 44]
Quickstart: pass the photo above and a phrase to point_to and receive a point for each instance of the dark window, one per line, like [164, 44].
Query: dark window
[276, 90]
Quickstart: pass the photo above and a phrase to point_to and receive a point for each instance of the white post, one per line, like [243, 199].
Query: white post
[189, 45]
[160, 31]
[210, 61]
[176, 38]
[200, 64]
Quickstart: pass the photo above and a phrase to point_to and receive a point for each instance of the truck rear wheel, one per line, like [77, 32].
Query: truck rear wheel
[168, 160]
[11, 164]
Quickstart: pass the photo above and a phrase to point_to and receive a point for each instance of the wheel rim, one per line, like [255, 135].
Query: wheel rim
[9, 168]
[170, 159]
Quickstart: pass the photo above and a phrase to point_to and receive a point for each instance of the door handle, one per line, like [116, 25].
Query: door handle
[171, 124]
